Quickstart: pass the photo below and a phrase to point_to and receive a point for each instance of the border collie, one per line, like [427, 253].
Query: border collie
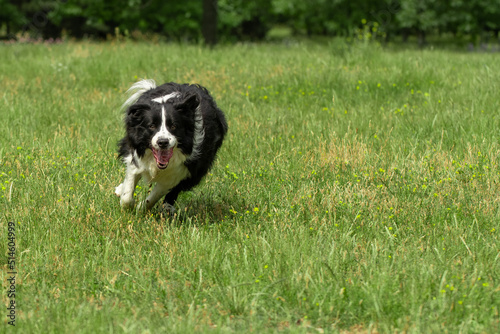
[173, 133]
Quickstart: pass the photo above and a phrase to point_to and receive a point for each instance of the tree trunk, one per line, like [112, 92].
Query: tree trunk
[421, 38]
[209, 22]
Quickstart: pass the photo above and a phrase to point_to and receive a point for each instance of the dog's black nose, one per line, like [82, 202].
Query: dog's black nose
[162, 143]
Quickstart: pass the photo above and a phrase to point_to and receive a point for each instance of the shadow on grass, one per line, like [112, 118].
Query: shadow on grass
[200, 208]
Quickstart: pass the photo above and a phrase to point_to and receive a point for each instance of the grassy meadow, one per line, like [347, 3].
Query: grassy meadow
[358, 191]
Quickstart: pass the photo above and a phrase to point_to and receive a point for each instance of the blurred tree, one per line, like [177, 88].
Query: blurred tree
[418, 16]
[177, 20]
[245, 20]
[173, 19]
[332, 17]
[473, 18]
[234, 20]
[11, 16]
[209, 22]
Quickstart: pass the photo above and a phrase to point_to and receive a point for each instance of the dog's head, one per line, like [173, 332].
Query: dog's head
[161, 119]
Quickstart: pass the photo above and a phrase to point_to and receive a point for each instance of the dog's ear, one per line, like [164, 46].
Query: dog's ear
[135, 113]
[189, 103]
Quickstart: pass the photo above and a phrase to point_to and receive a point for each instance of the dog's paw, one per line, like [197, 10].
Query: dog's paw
[168, 208]
[127, 203]
[118, 190]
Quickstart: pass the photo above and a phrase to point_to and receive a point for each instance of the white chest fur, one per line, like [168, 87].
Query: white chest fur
[145, 167]
[169, 177]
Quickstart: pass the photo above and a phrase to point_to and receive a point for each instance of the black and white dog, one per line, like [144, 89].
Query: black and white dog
[173, 133]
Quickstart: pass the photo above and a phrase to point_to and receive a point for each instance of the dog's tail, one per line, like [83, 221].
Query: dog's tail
[137, 90]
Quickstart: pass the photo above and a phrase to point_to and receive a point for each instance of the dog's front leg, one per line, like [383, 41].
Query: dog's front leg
[158, 192]
[127, 188]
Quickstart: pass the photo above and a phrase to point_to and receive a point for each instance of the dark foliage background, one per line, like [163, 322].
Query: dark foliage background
[476, 20]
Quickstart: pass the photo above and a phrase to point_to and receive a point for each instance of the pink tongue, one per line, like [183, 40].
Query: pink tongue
[163, 157]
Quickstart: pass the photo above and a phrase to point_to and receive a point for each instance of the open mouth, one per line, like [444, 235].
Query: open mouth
[162, 157]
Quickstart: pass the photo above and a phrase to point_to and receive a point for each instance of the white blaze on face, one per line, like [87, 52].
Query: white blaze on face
[164, 133]
[165, 98]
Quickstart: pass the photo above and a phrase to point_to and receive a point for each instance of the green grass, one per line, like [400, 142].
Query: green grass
[358, 190]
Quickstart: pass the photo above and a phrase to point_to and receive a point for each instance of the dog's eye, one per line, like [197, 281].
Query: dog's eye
[152, 126]
[172, 127]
